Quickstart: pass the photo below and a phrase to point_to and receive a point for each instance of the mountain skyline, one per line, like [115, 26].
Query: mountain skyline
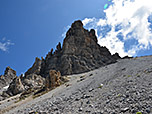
[30, 29]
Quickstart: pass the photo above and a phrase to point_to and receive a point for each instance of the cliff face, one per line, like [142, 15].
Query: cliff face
[80, 53]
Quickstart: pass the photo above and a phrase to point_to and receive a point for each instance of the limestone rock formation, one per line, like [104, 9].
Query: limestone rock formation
[15, 87]
[8, 76]
[80, 53]
[33, 81]
[35, 68]
[53, 80]
[22, 84]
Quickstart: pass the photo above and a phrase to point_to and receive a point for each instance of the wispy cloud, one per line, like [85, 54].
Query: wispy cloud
[4, 44]
[125, 21]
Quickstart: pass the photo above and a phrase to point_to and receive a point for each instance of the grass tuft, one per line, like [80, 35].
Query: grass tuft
[129, 75]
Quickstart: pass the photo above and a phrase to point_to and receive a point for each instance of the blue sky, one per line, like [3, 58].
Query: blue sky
[30, 28]
[35, 26]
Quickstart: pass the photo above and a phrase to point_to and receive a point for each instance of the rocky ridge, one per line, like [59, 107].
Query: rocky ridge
[79, 53]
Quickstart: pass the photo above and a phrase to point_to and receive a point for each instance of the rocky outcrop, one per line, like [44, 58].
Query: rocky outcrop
[116, 56]
[33, 81]
[15, 87]
[7, 78]
[22, 84]
[80, 53]
[35, 69]
[53, 80]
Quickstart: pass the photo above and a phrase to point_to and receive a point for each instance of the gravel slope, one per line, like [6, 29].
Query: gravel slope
[121, 88]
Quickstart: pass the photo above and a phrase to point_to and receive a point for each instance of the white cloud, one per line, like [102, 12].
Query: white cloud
[112, 43]
[101, 22]
[4, 45]
[132, 16]
[87, 20]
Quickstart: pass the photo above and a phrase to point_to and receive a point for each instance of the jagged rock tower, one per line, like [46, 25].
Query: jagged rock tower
[7, 78]
[80, 53]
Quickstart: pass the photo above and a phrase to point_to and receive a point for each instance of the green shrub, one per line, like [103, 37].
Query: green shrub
[119, 95]
[129, 75]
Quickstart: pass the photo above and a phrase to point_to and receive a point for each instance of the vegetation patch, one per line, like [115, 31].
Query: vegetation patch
[119, 95]
[129, 75]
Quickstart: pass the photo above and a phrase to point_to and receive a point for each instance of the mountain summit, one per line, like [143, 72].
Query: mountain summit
[80, 53]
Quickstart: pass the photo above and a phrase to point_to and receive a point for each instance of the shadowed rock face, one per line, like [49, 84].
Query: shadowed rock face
[80, 53]
[8, 76]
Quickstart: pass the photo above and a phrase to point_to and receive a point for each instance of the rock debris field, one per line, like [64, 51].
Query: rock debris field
[124, 87]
